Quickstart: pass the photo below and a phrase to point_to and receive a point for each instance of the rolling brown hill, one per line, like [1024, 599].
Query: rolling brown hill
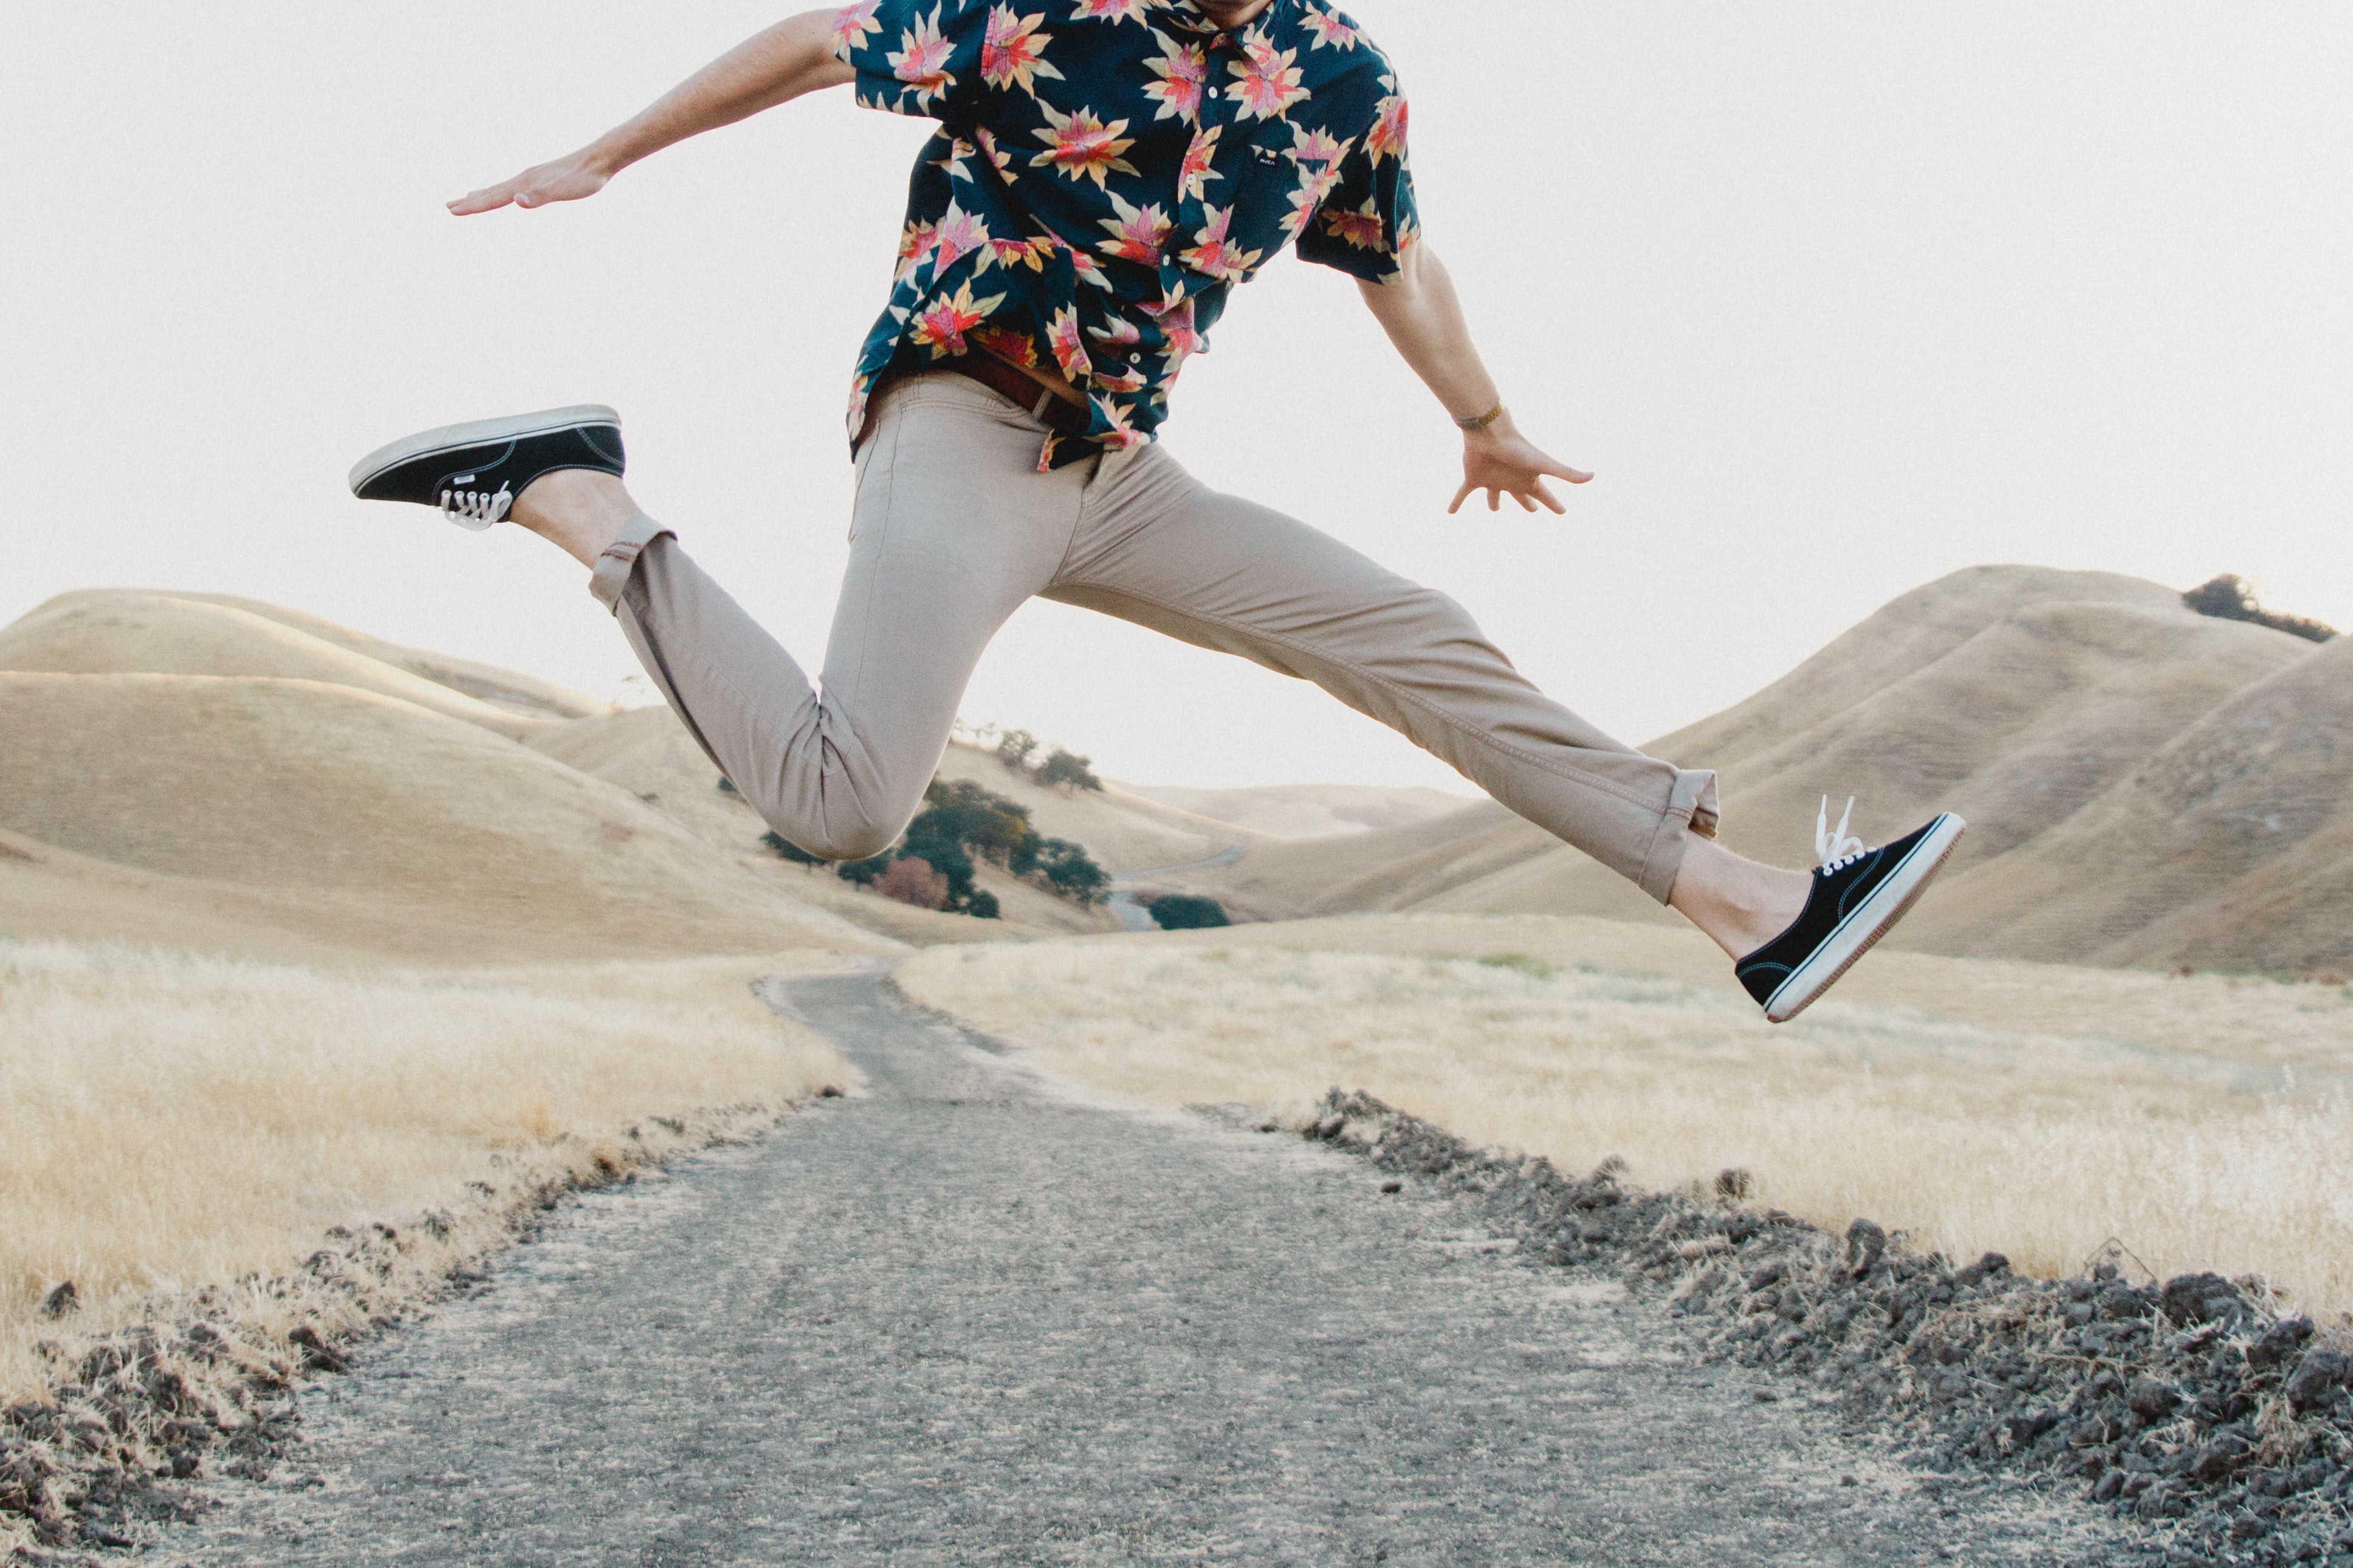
[647, 753]
[219, 773]
[2022, 697]
[107, 631]
[344, 817]
[2144, 785]
[231, 776]
[2232, 847]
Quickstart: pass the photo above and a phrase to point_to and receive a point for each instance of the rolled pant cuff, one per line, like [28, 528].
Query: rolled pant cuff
[1691, 804]
[610, 577]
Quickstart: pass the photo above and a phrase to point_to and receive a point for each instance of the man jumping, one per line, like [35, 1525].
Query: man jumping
[1104, 173]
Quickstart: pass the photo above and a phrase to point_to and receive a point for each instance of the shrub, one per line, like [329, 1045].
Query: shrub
[864, 872]
[785, 849]
[1072, 873]
[945, 856]
[2233, 598]
[911, 879]
[1185, 911]
[959, 822]
[1023, 861]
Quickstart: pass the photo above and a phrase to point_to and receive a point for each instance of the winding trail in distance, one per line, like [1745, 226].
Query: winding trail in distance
[961, 1319]
[1132, 912]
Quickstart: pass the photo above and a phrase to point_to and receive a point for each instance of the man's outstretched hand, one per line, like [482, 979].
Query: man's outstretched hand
[1503, 462]
[568, 179]
[793, 57]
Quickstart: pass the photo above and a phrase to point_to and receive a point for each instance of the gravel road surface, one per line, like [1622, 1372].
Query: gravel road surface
[961, 1319]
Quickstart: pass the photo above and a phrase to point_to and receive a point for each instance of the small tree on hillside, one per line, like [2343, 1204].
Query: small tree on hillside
[994, 826]
[1071, 872]
[1062, 768]
[2230, 597]
[1066, 768]
[1015, 748]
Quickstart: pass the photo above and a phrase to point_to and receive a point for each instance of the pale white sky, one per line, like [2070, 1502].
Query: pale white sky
[1835, 299]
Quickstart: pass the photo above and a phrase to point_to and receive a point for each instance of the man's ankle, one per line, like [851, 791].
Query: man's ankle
[579, 511]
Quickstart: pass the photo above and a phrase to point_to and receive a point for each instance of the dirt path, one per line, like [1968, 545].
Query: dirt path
[961, 1321]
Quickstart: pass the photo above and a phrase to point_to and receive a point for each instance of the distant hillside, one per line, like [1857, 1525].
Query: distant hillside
[110, 631]
[1309, 811]
[1125, 832]
[2110, 748]
[2144, 785]
[218, 773]
[2232, 847]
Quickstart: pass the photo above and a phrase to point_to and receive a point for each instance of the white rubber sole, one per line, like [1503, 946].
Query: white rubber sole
[478, 432]
[1866, 923]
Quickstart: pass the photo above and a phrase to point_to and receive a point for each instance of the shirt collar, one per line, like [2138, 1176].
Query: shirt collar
[1185, 15]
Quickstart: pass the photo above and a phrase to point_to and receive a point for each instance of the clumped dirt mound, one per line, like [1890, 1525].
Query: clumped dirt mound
[2193, 1405]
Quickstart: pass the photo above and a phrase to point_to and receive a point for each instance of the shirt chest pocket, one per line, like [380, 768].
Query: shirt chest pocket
[1268, 192]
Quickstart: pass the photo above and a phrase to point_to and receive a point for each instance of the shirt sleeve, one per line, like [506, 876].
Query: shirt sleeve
[919, 57]
[1369, 220]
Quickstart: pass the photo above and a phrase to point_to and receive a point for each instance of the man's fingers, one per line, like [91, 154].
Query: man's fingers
[482, 201]
[532, 188]
[1563, 471]
[1531, 492]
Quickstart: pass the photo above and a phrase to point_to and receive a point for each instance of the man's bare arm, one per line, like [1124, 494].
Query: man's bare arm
[793, 57]
[1423, 317]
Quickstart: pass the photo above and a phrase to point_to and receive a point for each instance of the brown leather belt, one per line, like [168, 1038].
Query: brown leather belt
[999, 378]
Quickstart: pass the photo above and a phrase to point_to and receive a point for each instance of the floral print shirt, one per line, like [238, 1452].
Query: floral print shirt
[1106, 170]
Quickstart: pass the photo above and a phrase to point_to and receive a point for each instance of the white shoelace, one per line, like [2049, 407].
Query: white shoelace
[1832, 845]
[475, 509]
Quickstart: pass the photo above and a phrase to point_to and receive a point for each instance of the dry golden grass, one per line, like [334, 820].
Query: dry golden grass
[2042, 1138]
[2257, 1025]
[175, 1126]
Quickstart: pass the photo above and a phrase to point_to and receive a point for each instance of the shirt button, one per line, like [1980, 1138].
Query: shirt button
[1213, 92]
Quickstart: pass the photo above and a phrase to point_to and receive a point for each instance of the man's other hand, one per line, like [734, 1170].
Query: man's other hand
[1503, 462]
[566, 179]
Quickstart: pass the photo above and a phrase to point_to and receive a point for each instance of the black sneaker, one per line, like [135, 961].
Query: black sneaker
[1857, 898]
[473, 472]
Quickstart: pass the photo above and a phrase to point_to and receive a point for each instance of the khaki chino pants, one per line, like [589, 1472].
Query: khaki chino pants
[953, 529]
